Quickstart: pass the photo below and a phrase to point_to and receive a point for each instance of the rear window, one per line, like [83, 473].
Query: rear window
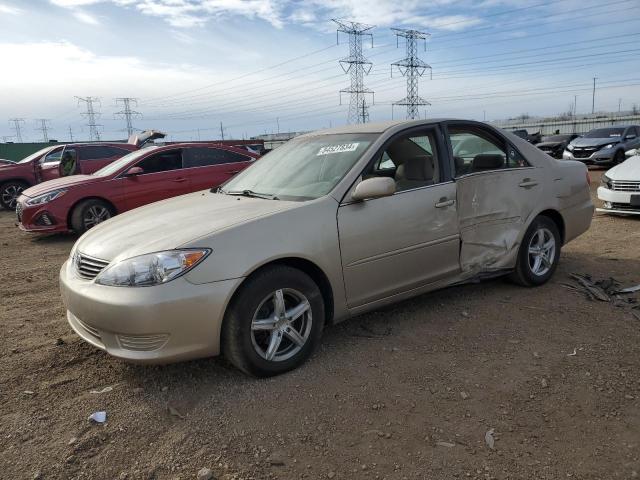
[203, 157]
[605, 133]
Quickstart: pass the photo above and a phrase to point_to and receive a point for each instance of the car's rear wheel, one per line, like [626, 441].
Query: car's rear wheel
[89, 213]
[9, 193]
[274, 322]
[539, 253]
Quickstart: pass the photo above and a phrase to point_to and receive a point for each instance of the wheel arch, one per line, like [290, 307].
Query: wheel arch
[84, 199]
[16, 179]
[306, 266]
[557, 218]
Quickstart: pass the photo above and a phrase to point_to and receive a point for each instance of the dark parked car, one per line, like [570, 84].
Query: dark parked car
[554, 145]
[603, 146]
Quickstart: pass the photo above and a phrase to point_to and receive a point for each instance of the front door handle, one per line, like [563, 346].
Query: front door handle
[527, 183]
[445, 203]
[179, 180]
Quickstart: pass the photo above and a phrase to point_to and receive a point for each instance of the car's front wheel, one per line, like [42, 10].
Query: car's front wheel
[539, 253]
[9, 193]
[274, 322]
[89, 213]
[619, 157]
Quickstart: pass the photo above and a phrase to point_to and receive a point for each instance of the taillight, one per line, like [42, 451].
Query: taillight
[588, 178]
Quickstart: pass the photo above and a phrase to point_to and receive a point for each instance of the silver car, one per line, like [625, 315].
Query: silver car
[332, 224]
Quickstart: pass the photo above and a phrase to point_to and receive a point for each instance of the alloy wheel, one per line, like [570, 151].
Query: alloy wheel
[10, 195]
[96, 214]
[542, 251]
[281, 325]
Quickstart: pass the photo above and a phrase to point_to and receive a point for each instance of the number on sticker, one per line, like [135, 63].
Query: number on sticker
[345, 147]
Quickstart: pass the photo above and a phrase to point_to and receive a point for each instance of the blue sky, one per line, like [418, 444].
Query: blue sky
[195, 63]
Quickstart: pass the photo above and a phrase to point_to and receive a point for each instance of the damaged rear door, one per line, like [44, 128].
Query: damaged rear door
[496, 193]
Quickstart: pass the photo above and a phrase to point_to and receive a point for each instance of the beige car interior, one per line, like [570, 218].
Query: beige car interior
[413, 165]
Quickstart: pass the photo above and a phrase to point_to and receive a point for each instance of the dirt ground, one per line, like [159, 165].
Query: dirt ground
[408, 392]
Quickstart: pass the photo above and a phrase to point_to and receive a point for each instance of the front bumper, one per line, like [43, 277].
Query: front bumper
[600, 157]
[44, 218]
[617, 202]
[161, 324]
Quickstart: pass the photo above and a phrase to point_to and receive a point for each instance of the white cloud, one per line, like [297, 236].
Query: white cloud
[84, 17]
[10, 10]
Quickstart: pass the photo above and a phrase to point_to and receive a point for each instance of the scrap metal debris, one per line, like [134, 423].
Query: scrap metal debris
[605, 290]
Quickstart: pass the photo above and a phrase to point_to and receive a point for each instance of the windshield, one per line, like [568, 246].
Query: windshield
[33, 156]
[121, 162]
[556, 138]
[605, 133]
[304, 168]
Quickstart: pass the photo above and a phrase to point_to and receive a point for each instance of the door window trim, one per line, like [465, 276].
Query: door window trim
[491, 133]
[441, 151]
[127, 168]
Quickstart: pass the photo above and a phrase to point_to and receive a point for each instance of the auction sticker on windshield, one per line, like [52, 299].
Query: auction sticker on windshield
[345, 147]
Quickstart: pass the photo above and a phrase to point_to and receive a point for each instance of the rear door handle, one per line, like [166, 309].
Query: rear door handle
[179, 180]
[445, 203]
[527, 183]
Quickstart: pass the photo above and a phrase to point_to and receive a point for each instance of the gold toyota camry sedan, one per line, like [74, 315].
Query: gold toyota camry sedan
[332, 224]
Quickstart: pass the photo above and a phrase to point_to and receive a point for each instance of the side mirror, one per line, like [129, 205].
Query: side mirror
[632, 153]
[133, 171]
[374, 188]
[630, 137]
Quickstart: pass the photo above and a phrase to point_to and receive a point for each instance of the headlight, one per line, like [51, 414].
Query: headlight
[570, 147]
[605, 182]
[151, 269]
[46, 197]
[610, 145]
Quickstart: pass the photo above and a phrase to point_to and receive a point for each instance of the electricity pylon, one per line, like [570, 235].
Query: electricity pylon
[91, 115]
[42, 122]
[127, 113]
[413, 68]
[17, 128]
[357, 66]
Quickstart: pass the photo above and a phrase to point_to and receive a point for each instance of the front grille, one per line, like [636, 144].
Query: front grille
[143, 343]
[624, 206]
[19, 209]
[625, 186]
[89, 267]
[585, 152]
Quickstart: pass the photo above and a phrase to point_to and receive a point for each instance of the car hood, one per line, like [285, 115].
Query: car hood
[64, 182]
[593, 142]
[173, 223]
[628, 170]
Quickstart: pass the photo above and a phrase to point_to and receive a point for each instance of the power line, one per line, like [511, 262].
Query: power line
[357, 66]
[17, 128]
[91, 115]
[42, 122]
[127, 113]
[413, 68]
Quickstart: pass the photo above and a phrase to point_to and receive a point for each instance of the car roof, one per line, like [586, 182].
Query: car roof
[378, 127]
[98, 144]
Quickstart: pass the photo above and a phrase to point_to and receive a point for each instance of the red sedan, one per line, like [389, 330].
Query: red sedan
[44, 164]
[80, 202]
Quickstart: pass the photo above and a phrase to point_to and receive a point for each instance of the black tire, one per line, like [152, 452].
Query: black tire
[524, 273]
[619, 157]
[240, 342]
[83, 211]
[9, 193]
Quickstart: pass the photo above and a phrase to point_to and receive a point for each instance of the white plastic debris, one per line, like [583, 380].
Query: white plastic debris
[488, 438]
[98, 417]
[633, 289]
[572, 354]
[104, 390]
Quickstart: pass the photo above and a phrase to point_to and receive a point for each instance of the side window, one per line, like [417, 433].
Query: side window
[475, 150]
[411, 160]
[161, 162]
[202, 157]
[95, 153]
[53, 156]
